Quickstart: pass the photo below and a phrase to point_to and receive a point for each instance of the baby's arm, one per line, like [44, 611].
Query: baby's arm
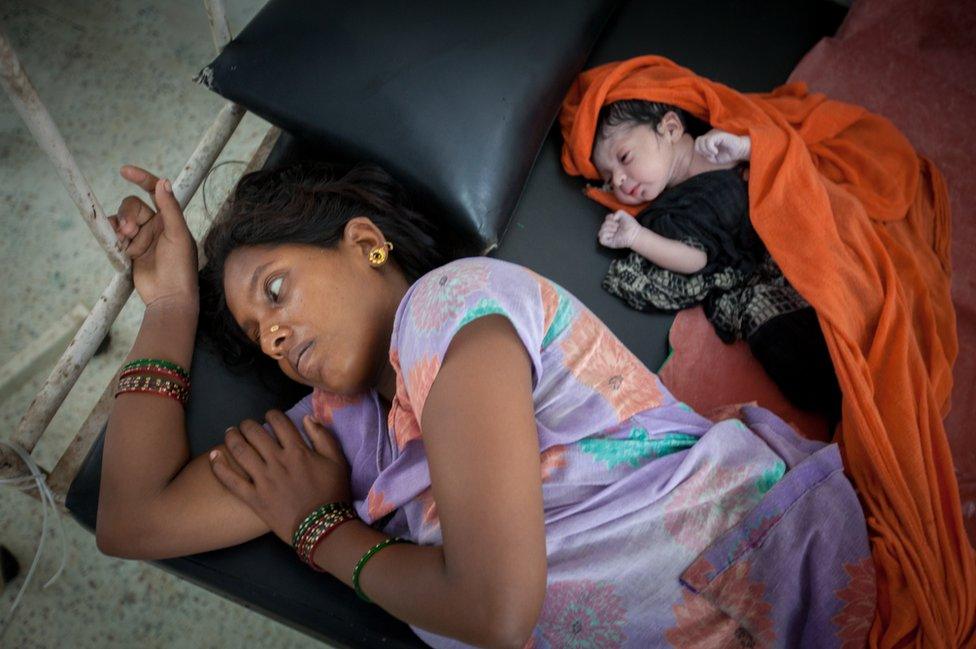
[621, 230]
[720, 147]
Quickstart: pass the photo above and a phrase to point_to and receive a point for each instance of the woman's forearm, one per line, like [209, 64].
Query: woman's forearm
[667, 253]
[146, 443]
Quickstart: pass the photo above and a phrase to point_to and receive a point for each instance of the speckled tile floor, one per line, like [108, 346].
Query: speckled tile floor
[115, 76]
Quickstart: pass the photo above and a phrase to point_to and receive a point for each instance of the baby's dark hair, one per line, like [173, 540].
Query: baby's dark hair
[631, 112]
[307, 203]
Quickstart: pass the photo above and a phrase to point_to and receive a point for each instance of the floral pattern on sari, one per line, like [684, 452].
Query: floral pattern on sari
[601, 362]
[439, 299]
[582, 614]
[324, 404]
[558, 309]
[635, 449]
[859, 596]
[710, 502]
[377, 505]
[551, 460]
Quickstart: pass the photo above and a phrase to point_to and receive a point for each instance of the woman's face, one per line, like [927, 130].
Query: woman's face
[331, 311]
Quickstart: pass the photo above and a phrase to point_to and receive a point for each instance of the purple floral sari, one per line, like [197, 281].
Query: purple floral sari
[663, 528]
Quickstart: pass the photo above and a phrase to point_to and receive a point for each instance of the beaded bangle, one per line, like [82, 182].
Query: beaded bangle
[149, 381]
[153, 385]
[315, 545]
[319, 527]
[146, 385]
[315, 527]
[157, 363]
[366, 557]
[312, 517]
[156, 372]
[174, 397]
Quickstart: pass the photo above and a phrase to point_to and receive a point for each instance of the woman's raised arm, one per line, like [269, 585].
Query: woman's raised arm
[154, 502]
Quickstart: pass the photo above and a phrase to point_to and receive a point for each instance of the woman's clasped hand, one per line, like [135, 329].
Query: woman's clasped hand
[280, 478]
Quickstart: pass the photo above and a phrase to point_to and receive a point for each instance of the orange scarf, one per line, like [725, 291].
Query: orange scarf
[859, 224]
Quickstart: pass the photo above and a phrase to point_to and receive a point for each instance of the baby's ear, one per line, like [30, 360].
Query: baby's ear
[671, 126]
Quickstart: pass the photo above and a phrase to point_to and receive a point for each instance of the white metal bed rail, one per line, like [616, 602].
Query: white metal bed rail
[96, 326]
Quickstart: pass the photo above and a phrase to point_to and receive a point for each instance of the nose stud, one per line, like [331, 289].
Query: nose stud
[274, 328]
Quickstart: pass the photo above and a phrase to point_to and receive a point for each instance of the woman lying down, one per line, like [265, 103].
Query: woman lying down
[479, 455]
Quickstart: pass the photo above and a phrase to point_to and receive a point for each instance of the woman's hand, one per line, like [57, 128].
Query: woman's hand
[720, 147]
[619, 230]
[283, 480]
[162, 250]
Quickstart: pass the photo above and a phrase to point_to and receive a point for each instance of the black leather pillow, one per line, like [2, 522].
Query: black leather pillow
[453, 98]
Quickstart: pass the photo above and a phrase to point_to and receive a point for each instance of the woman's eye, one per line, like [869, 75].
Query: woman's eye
[625, 158]
[274, 288]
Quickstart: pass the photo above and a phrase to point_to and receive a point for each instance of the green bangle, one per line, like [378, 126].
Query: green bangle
[145, 362]
[316, 514]
[366, 557]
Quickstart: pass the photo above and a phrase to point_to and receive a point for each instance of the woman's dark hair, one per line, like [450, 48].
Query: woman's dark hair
[306, 203]
[631, 112]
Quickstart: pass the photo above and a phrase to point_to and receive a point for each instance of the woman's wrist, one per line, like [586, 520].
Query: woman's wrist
[168, 332]
[316, 527]
[183, 306]
[339, 553]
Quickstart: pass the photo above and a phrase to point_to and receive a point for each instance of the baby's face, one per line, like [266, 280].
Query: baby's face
[636, 162]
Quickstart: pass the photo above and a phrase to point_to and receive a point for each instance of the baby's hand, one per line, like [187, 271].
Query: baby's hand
[719, 147]
[619, 230]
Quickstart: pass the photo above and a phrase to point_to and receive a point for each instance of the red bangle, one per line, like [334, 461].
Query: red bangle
[311, 534]
[142, 371]
[152, 385]
[315, 546]
[172, 396]
[321, 527]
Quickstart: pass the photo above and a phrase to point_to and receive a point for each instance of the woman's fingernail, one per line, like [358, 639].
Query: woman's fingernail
[213, 455]
[168, 186]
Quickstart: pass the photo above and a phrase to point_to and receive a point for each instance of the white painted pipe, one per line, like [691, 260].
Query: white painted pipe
[208, 150]
[74, 359]
[219, 27]
[110, 303]
[96, 326]
[27, 102]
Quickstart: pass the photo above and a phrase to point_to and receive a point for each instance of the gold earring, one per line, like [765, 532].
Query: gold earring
[379, 254]
[273, 328]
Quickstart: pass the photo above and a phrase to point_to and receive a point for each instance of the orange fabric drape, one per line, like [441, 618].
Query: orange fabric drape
[859, 224]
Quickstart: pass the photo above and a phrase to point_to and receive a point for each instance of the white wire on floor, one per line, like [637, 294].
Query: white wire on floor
[25, 483]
